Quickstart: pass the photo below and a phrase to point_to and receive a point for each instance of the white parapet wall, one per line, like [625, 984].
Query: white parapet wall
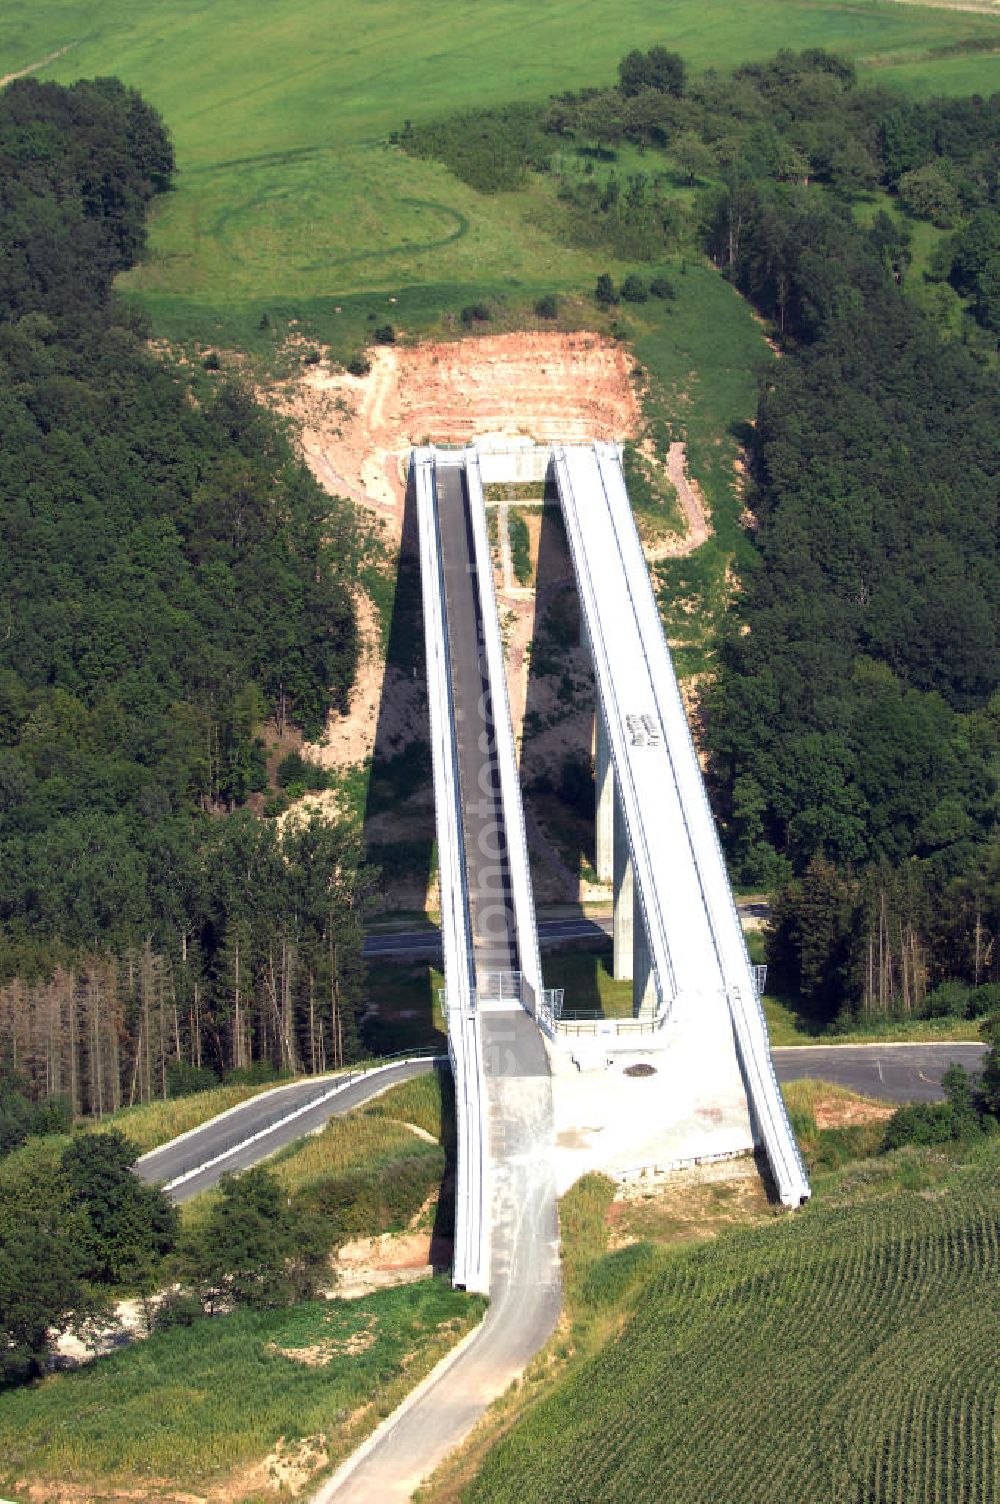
[513, 463]
[471, 1268]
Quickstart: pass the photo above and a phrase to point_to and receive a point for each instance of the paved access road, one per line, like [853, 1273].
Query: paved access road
[264, 1124]
[413, 944]
[525, 1295]
[895, 1072]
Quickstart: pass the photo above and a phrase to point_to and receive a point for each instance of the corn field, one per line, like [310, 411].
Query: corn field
[850, 1355]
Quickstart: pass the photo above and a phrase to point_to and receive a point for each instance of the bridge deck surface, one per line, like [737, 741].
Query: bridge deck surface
[491, 911]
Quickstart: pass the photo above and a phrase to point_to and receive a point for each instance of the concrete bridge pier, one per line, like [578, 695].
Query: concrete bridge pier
[604, 779]
[643, 975]
[624, 900]
[613, 860]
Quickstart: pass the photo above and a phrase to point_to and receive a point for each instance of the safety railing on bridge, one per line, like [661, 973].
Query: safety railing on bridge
[471, 1267]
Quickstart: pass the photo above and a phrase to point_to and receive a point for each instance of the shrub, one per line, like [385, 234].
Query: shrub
[254, 1249]
[656, 69]
[384, 334]
[576, 784]
[491, 150]
[989, 1081]
[374, 1198]
[604, 291]
[984, 1000]
[21, 1119]
[662, 287]
[947, 1000]
[957, 1085]
[177, 1308]
[928, 193]
[184, 1080]
[634, 289]
[475, 313]
[296, 774]
[129, 1226]
[212, 361]
[257, 1074]
[548, 306]
[520, 547]
[359, 365]
[920, 1123]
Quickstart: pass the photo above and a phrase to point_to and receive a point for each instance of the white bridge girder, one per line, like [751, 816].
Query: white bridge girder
[687, 941]
[676, 927]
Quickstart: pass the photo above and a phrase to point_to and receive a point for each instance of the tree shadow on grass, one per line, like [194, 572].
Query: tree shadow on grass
[443, 1232]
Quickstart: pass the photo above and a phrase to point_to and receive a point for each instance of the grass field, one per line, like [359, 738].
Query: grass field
[788, 1027]
[202, 1407]
[586, 976]
[369, 1150]
[850, 1352]
[287, 197]
[704, 352]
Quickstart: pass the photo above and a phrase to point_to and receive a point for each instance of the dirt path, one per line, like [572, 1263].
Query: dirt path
[43, 62]
[356, 434]
[691, 500]
[980, 7]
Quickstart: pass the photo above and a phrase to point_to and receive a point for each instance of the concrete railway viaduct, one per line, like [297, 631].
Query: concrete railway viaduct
[676, 929]
[697, 1023]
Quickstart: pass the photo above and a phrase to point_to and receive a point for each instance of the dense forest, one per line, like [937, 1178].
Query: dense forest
[171, 577]
[854, 720]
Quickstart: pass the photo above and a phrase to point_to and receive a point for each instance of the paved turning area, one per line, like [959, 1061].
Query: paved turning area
[893, 1072]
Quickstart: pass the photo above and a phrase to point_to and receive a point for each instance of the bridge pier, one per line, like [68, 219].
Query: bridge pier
[624, 899]
[604, 779]
[643, 975]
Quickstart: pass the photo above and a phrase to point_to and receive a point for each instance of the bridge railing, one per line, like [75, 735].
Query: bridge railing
[472, 1231]
[606, 488]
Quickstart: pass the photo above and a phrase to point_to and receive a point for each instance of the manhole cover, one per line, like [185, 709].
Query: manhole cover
[640, 1070]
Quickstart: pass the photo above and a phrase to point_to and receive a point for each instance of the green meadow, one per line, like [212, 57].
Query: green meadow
[288, 197]
[179, 1412]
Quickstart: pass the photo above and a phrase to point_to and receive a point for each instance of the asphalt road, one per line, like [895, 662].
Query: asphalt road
[416, 944]
[525, 1290]
[894, 1072]
[525, 1294]
[259, 1127]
